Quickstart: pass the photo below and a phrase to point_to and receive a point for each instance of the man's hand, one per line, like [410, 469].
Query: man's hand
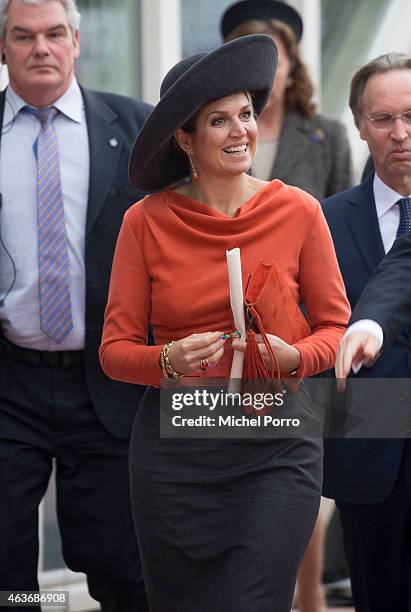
[359, 348]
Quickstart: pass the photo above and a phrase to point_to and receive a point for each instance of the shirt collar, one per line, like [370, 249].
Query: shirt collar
[384, 196]
[70, 104]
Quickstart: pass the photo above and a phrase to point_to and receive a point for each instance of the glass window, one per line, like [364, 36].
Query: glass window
[110, 46]
[348, 29]
[201, 22]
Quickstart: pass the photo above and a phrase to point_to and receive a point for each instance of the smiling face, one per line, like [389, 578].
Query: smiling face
[225, 137]
[388, 93]
[40, 50]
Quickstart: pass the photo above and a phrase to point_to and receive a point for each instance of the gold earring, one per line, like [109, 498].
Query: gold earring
[190, 159]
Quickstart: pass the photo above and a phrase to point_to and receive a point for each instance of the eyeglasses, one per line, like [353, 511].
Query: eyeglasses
[385, 120]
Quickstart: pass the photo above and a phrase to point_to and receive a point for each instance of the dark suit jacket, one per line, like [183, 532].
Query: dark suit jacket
[109, 117]
[387, 298]
[313, 154]
[363, 470]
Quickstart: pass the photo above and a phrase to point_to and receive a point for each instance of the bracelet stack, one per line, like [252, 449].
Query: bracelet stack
[167, 369]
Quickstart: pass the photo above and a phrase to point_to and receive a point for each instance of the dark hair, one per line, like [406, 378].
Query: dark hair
[380, 65]
[298, 95]
[191, 124]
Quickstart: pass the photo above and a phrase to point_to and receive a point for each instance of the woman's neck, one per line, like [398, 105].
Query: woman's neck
[270, 122]
[226, 195]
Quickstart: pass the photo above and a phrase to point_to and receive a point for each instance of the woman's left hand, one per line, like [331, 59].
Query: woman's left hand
[288, 357]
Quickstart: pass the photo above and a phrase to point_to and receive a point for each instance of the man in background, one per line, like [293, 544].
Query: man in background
[371, 478]
[64, 187]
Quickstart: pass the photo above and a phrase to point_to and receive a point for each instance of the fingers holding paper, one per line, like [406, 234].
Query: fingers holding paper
[196, 352]
[288, 357]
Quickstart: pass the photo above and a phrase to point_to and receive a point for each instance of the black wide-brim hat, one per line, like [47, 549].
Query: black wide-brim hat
[261, 9]
[245, 64]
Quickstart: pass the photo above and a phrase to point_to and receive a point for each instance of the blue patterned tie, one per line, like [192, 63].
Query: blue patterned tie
[54, 272]
[405, 216]
[403, 228]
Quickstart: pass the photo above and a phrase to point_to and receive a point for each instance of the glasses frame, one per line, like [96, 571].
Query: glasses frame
[389, 122]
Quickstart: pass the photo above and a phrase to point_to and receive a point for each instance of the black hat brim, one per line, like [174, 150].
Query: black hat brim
[247, 10]
[245, 64]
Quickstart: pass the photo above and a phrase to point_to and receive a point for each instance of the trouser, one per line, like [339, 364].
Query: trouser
[45, 413]
[377, 541]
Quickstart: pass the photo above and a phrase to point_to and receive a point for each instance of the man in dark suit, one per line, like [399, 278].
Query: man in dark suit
[386, 300]
[371, 478]
[63, 166]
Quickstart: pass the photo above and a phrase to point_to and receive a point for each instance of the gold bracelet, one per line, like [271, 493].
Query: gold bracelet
[169, 373]
[162, 365]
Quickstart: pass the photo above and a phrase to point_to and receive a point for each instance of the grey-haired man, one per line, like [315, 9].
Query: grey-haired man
[64, 187]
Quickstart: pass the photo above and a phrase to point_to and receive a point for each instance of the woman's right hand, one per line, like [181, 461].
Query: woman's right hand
[186, 354]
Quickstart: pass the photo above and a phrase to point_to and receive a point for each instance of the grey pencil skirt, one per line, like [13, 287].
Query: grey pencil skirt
[222, 524]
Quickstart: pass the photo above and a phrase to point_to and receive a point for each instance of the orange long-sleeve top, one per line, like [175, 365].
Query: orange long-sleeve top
[170, 270]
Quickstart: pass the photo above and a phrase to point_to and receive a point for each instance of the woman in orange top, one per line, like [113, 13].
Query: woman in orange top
[209, 513]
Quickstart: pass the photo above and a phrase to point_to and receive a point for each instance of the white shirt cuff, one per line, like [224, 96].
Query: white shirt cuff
[369, 326]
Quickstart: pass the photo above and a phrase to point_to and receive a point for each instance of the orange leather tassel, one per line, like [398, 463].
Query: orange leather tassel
[255, 373]
[254, 366]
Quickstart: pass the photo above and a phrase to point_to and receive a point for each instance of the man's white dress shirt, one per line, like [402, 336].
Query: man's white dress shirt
[20, 312]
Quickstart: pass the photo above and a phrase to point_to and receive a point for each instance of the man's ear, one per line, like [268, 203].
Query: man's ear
[76, 44]
[362, 129]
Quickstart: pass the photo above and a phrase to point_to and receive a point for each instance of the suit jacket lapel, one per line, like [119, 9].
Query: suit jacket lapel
[103, 155]
[294, 141]
[363, 223]
[2, 105]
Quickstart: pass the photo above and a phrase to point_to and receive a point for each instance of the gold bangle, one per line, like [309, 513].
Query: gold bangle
[169, 373]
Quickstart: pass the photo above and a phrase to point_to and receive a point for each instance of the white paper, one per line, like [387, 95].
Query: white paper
[237, 307]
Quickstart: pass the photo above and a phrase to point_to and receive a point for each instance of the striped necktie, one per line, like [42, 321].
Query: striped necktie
[405, 216]
[53, 261]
